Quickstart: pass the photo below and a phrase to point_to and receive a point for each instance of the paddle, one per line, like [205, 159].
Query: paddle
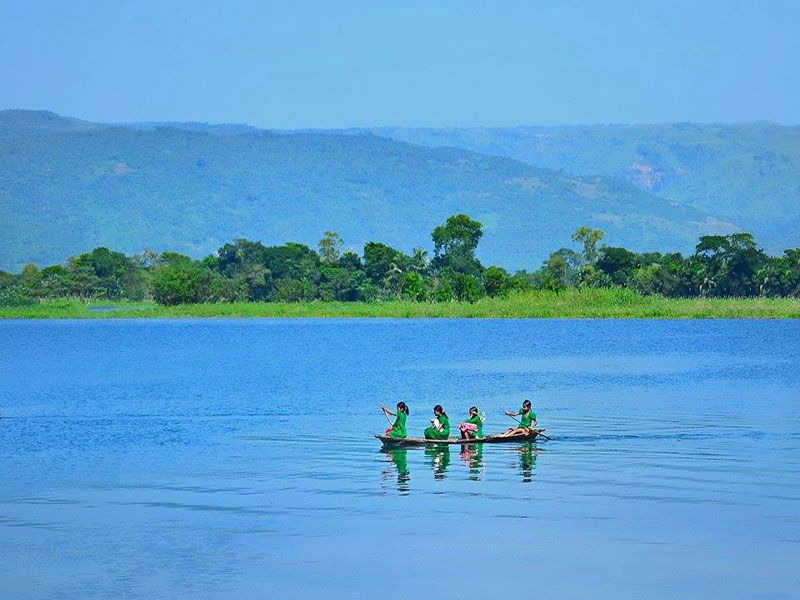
[383, 410]
[538, 431]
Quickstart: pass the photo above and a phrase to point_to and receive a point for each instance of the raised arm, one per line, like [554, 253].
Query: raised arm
[386, 411]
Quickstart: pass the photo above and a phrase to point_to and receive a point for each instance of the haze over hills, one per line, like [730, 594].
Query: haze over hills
[67, 186]
[745, 172]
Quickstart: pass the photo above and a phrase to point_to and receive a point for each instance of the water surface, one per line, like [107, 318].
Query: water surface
[235, 458]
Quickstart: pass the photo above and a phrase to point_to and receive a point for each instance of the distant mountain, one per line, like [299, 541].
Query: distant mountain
[67, 186]
[217, 128]
[18, 120]
[45, 120]
[748, 172]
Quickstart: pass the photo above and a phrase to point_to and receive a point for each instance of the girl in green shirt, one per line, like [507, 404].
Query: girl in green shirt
[440, 425]
[398, 430]
[527, 420]
[472, 427]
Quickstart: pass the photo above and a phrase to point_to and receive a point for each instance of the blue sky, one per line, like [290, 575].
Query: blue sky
[347, 63]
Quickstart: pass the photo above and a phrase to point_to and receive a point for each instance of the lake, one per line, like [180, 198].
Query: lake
[236, 459]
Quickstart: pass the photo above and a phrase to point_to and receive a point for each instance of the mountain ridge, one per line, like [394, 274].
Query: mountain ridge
[66, 191]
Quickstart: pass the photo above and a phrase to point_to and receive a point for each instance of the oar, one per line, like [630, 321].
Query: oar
[387, 417]
[538, 431]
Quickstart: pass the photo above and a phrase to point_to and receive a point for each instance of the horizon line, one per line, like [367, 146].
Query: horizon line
[391, 126]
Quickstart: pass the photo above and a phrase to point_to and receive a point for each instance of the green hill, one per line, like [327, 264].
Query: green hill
[67, 186]
[747, 172]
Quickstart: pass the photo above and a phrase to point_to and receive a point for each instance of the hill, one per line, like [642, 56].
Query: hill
[67, 186]
[745, 172]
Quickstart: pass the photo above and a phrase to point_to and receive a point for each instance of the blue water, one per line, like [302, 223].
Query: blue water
[235, 459]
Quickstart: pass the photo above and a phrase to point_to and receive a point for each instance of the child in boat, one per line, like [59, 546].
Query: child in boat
[398, 430]
[440, 425]
[472, 427]
[527, 420]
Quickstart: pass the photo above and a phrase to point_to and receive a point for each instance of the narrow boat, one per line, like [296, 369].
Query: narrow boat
[489, 439]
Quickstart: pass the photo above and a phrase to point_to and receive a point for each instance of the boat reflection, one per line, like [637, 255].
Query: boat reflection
[439, 456]
[472, 455]
[399, 457]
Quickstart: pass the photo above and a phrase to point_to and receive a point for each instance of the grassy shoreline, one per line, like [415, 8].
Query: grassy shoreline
[570, 304]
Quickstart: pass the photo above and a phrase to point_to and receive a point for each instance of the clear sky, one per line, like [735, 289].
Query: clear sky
[341, 63]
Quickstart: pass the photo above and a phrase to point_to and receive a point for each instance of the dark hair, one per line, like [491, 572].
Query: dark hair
[527, 403]
[402, 406]
[438, 408]
[471, 408]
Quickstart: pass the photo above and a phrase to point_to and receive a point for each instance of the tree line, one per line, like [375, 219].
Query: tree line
[244, 270]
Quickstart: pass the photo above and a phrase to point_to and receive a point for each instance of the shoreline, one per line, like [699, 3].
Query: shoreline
[570, 304]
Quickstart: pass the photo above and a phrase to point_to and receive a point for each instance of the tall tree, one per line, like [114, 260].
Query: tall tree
[330, 247]
[454, 245]
[590, 238]
[380, 260]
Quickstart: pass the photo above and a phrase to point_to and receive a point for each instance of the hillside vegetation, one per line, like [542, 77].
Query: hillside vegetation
[67, 186]
[748, 173]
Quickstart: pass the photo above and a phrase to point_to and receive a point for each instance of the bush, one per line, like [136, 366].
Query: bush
[496, 282]
[181, 283]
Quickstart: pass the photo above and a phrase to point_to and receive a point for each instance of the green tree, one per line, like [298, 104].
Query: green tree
[334, 283]
[181, 283]
[257, 281]
[241, 255]
[55, 282]
[454, 245]
[419, 261]
[295, 290]
[108, 265]
[173, 258]
[414, 287]
[466, 287]
[729, 264]
[496, 281]
[30, 278]
[12, 292]
[590, 238]
[519, 282]
[350, 261]
[83, 282]
[292, 261]
[393, 282]
[562, 269]
[644, 279]
[330, 247]
[443, 289]
[785, 280]
[618, 264]
[360, 288]
[380, 260]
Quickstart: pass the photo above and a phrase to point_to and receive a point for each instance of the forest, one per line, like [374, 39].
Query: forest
[722, 266]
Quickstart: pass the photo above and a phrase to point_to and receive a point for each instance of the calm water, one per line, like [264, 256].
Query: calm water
[235, 458]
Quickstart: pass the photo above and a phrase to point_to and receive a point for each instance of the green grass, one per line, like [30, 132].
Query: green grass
[571, 304]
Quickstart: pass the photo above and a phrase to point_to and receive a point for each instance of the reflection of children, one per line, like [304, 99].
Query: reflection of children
[440, 425]
[527, 462]
[440, 459]
[527, 420]
[472, 427]
[400, 459]
[398, 430]
[472, 455]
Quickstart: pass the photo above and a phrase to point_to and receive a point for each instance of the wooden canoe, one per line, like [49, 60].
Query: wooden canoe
[489, 439]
